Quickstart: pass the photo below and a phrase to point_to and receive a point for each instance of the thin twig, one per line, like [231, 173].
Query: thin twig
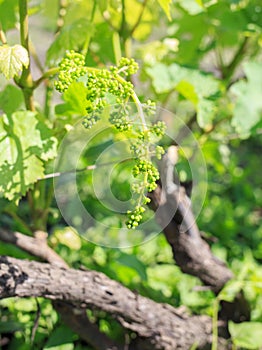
[123, 20]
[230, 69]
[19, 220]
[89, 167]
[25, 81]
[35, 57]
[104, 14]
[36, 321]
[49, 73]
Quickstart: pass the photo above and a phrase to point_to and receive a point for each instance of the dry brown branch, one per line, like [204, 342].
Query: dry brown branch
[159, 326]
[76, 319]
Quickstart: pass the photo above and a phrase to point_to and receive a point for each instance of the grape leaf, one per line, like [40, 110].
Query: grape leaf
[11, 99]
[23, 151]
[248, 108]
[165, 4]
[206, 110]
[101, 45]
[72, 37]
[133, 262]
[61, 337]
[12, 60]
[75, 100]
[8, 17]
[246, 334]
[166, 78]
[102, 5]
[192, 84]
[193, 7]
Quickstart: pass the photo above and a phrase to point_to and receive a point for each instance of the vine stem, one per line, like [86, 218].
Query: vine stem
[27, 85]
[50, 72]
[88, 37]
[35, 57]
[88, 167]
[23, 24]
[230, 69]
[123, 20]
[215, 325]
[2, 36]
[140, 111]
[19, 220]
[25, 81]
[116, 46]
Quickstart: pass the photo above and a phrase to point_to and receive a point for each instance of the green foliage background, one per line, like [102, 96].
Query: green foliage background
[200, 60]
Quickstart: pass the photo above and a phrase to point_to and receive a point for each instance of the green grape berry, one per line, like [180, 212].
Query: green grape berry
[128, 66]
[159, 151]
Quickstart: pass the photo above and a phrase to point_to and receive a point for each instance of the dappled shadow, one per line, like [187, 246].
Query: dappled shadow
[10, 277]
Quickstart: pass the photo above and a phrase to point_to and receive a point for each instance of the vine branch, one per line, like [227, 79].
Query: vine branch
[77, 321]
[25, 81]
[229, 70]
[157, 325]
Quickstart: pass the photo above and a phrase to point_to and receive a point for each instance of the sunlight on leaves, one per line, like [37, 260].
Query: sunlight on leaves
[165, 4]
[246, 334]
[194, 85]
[248, 108]
[22, 152]
[12, 60]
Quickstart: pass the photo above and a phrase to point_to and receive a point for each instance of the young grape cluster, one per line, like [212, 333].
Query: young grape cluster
[147, 167]
[71, 68]
[119, 117]
[158, 129]
[102, 83]
[104, 86]
[134, 217]
[127, 66]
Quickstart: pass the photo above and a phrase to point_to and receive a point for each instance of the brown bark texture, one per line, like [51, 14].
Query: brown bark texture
[159, 326]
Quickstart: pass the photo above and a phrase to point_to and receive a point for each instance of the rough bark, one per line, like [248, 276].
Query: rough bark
[159, 326]
[191, 253]
[175, 216]
[36, 245]
[75, 318]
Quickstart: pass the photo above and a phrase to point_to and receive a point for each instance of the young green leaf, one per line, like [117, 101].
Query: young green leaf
[248, 108]
[192, 84]
[11, 99]
[8, 18]
[72, 37]
[246, 334]
[165, 4]
[12, 60]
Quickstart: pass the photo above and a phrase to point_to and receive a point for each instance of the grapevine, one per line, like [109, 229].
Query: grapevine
[102, 84]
